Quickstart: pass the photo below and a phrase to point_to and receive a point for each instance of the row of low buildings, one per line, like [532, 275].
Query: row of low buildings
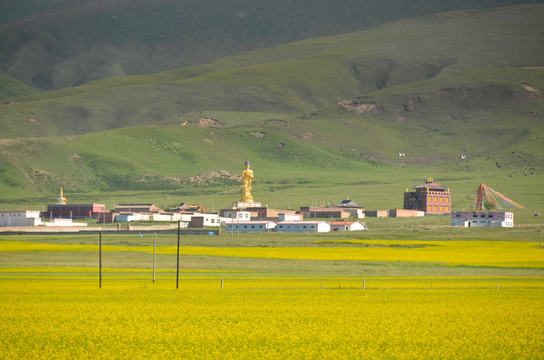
[242, 220]
[32, 218]
[284, 222]
[295, 226]
[427, 198]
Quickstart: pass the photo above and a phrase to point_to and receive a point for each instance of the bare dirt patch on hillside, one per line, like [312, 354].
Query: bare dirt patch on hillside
[205, 122]
[358, 107]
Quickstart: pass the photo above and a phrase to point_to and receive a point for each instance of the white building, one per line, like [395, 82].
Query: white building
[63, 222]
[20, 218]
[128, 217]
[289, 217]
[237, 214]
[142, 216]
[204, 220]
[345, 225]
[303, 226]
[482, 218]
[162, 217]
[184, 216]
[250, 226]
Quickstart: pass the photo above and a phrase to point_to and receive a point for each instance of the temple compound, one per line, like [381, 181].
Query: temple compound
[430, 197]
[73, 211]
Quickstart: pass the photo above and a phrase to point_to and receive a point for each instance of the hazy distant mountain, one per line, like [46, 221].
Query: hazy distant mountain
[56, 44]
[13, 10]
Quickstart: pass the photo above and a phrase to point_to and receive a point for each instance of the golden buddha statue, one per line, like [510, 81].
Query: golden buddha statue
[247, 180]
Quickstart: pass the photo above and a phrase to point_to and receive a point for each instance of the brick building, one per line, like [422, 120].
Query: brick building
[74, 211]
[430, 197]
[324, 212]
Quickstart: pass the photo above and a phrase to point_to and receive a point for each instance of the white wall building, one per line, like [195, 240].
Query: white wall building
[203, 220]
[184, 216]
[63, 222]
[289, 217]
[20, 218]
[482, 218]
[142, 216]
[347, 225]
[303, 226]
[237, 215]
[162, 217]
[128, 217]
[250, 226]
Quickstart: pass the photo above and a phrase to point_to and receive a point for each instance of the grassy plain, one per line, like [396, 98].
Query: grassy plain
[272, 296]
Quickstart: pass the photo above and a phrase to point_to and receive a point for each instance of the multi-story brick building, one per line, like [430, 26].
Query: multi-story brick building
[430, 197]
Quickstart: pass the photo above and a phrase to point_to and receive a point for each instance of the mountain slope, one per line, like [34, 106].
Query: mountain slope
[498, 125]
[296, 78]
[10, 88]
[324, 115]
[79, 41]
[17, 9]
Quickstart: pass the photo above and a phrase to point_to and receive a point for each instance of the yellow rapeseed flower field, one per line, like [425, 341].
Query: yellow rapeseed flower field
[478, 253]
[69, 320]
[58, 312]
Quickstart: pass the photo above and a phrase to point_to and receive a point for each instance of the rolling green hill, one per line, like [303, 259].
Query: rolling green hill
[300, 77]
[320, 119]
[10, 88]
[78, 41]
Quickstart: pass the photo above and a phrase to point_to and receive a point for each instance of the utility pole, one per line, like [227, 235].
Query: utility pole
[177, 267]
[540, 243]
[540, 246]
[154, 254]
[100, 259]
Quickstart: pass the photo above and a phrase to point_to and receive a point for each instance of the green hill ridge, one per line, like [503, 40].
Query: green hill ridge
[56, 44]
[295, 78]
[326, 115]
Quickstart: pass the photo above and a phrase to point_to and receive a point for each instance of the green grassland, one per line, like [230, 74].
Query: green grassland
[10, 87]
[138, 139]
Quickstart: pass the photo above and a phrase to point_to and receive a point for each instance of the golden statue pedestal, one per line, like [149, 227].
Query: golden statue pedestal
[245, 204]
